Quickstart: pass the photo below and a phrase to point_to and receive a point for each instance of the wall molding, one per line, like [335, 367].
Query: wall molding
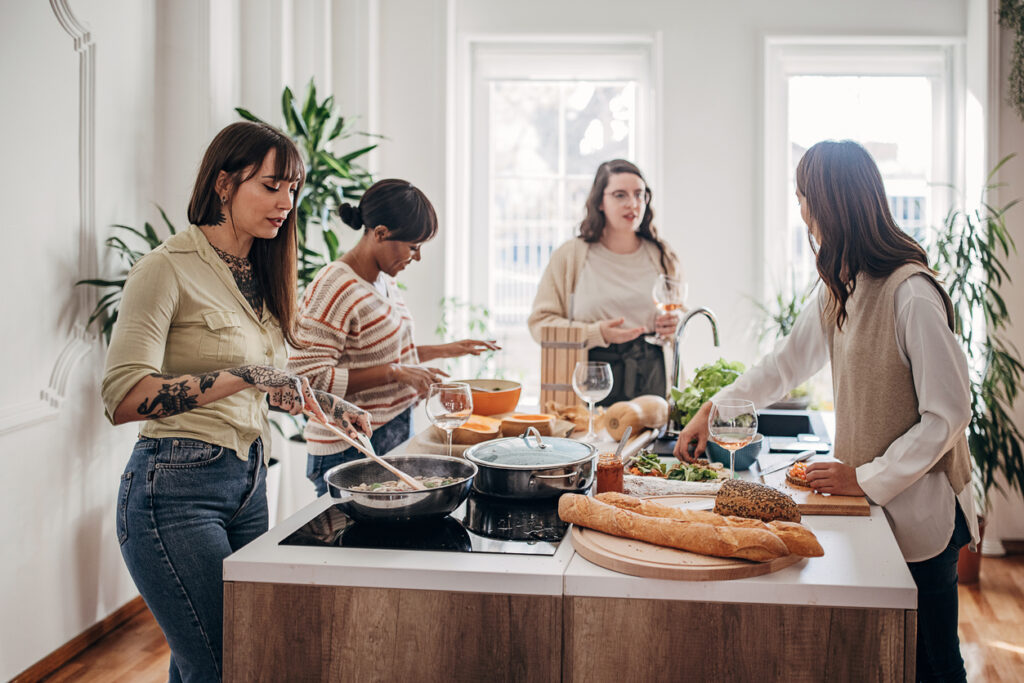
[80, 341]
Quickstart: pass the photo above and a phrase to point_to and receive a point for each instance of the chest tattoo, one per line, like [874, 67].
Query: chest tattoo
[245, 278]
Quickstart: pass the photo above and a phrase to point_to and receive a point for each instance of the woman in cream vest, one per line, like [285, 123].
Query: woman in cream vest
[900, 382]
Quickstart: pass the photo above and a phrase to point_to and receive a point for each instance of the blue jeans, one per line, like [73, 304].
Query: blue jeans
[938, 647]
[183, 506]
[385, 438]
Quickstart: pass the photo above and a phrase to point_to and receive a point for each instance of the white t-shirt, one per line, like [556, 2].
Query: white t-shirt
[918, 504]
[614, 285]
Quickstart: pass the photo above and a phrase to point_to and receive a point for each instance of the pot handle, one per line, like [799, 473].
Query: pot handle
[526, 438]
[571, 476]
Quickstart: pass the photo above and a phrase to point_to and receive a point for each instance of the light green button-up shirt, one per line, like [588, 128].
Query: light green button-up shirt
[182, 313]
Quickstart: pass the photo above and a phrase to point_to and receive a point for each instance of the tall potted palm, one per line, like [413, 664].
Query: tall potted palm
[971, 249]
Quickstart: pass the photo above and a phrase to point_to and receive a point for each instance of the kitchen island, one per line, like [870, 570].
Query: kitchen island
[332, 613]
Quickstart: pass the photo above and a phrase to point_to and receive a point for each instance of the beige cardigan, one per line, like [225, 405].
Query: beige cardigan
[551, 304]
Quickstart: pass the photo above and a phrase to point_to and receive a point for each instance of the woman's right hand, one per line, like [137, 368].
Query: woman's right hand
[614, 333]
[696, 432]
[419, 377]
[288, 392]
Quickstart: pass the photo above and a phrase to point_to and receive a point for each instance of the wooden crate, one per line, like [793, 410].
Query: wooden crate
[560, 349]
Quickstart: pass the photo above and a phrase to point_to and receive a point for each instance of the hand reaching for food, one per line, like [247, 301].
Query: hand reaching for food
[833, 477]
[419, 377]
[614, 332]
[696, 432]
[470, 347]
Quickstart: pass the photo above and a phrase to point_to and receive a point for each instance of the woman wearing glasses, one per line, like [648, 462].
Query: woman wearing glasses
[602, 281]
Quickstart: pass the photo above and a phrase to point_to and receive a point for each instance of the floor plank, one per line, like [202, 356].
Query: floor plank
[991, 636]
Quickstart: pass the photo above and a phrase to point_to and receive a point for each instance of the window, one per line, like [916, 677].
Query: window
[895, 98]
[542, 117]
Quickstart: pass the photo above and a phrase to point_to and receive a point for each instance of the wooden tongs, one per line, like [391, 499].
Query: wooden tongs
[364, 446]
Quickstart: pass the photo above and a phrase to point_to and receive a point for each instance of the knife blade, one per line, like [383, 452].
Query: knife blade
[800, 456]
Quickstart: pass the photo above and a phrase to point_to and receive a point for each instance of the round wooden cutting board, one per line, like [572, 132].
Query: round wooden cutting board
[638, 558]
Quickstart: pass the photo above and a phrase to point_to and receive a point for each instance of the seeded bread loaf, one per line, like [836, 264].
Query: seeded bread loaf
[696, 537]
[798, 539]
[755, 501]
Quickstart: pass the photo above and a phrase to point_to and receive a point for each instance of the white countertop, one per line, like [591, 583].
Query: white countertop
[265, 561]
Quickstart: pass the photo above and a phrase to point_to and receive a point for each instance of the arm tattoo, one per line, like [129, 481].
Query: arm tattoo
[262, 374]
[334, 408]
[176, 397]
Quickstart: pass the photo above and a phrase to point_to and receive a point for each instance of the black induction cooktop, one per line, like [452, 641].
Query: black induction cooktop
[482, 524]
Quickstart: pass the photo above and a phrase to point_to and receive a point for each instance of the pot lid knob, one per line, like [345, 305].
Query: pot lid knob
[536, 434]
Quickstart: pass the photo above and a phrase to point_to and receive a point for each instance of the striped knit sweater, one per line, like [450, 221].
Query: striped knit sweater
[348, 324]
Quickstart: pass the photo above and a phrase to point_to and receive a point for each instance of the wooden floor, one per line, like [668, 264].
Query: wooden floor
[991, 635]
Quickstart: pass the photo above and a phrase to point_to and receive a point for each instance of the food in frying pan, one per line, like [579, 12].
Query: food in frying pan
[397, 486]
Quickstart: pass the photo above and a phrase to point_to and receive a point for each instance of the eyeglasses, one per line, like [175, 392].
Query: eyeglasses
[623, 197]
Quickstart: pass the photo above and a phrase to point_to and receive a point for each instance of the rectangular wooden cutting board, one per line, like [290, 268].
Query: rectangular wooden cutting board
[811, 503]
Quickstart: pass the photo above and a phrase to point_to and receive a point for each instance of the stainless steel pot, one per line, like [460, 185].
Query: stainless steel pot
[532, 466]
[375, 506]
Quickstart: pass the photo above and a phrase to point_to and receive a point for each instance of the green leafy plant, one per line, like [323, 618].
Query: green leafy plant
[1011, 17]
[779, 314]
[706, 382]
[331, 179]
[971, 249]
[105, 312]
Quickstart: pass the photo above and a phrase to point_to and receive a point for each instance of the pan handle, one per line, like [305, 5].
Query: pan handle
[571, 476]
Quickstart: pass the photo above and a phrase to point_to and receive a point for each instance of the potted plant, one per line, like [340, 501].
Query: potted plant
[971, 248]
[778, 315]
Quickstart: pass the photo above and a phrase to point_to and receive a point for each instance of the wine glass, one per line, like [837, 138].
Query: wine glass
[669, 295]
[732, 424]
[592, 382]
[449, 405]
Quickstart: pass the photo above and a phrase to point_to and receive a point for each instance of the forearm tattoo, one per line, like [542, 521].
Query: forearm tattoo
[334, 408]
[178, 397]
[265, 375]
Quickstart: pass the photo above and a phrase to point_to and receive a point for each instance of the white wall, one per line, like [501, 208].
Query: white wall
[62, 570]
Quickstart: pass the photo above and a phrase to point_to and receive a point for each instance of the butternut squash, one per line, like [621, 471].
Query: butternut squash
[653, 411]
[476, 429]
[621, 415]
[514, 425]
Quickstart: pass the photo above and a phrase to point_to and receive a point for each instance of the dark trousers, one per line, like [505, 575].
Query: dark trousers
[638, 368]
[938, 646]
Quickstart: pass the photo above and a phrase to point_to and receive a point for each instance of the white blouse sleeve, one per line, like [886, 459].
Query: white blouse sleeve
[941, 381]
[794, 359]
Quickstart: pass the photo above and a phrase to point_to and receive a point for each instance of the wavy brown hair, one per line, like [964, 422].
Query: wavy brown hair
[846, 199]
[593, 223]
[239, 150]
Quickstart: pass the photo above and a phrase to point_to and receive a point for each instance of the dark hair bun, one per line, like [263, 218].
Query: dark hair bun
[351, 216]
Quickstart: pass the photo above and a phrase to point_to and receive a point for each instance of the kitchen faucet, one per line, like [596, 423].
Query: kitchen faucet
[706, 312]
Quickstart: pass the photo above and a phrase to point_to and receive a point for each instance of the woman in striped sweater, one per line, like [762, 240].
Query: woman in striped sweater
[358, 331]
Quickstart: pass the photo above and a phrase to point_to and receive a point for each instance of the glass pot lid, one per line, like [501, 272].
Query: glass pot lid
[529, 451]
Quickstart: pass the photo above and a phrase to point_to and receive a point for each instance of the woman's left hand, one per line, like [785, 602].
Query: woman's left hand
[343, 415]
[665, 325]
[469, 347]
[835, 478]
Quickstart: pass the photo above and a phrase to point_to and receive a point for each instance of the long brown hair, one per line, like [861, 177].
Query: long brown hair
[846, 199]
[593, 223]
[239, 150]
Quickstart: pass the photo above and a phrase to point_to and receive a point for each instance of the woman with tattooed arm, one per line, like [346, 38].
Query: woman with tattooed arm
[202, 327]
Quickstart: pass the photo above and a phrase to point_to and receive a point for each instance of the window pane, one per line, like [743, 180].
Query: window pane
[891, 116]
[524, 127]
[599, 124]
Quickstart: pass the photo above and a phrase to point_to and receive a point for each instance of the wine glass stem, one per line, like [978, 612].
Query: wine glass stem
[590, 422]
[732, 463]
[448, 432]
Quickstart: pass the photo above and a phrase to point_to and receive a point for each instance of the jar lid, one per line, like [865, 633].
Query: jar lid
[529, 451]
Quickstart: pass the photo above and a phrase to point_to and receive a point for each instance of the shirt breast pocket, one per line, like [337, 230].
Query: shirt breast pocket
[222, 338]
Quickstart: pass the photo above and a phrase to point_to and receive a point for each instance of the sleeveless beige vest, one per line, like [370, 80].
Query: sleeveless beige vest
[874, 391]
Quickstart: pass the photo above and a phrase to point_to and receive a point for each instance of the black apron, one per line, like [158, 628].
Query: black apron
[638, 368]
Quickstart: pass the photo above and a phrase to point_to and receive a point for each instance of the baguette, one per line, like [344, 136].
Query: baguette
[798, 539]
[695, 537]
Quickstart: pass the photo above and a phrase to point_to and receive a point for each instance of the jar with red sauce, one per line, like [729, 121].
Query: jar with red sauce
[609, 473]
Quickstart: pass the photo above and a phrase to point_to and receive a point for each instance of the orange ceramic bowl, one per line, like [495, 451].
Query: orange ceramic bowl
[494, 396]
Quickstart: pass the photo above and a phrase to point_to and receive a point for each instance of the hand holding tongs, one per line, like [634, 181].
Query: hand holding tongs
[364, 446]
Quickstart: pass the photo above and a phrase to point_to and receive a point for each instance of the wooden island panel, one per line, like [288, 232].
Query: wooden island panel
[613, 640]
[289, 632]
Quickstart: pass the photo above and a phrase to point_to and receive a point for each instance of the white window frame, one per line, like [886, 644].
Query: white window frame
[474, 60]
[939, 58]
